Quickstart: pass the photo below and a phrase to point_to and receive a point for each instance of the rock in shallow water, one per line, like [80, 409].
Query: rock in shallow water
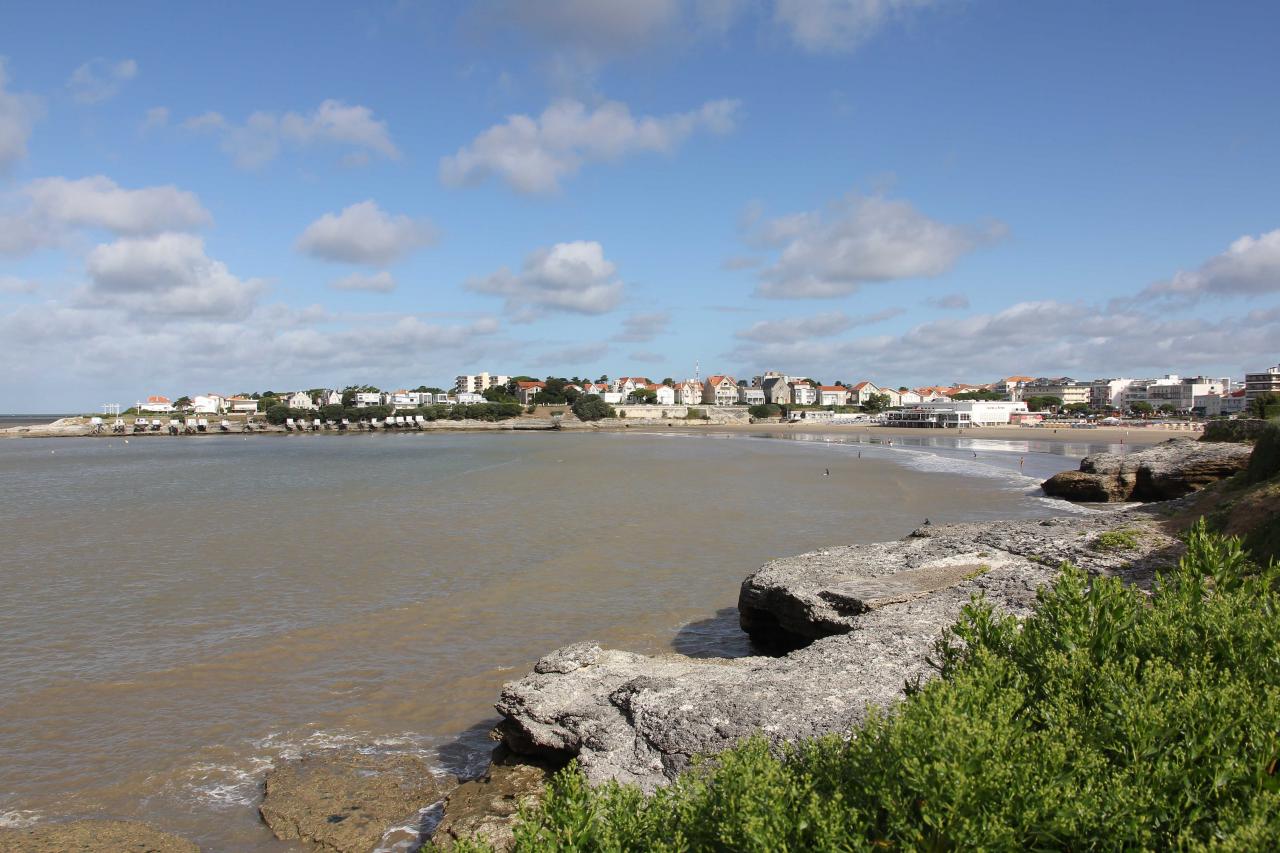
[93, 836]
[344, 801]
[869, 613]
[1162, 472]
[485, 809]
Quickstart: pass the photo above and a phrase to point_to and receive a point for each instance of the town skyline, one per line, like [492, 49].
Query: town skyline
[406, 191]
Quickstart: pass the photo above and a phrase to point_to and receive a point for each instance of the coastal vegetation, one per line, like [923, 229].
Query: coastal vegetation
[590, 407]
[1108, 718]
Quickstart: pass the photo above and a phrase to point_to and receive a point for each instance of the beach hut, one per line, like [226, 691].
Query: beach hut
[202, 425]
[315, 425]
[173, 426]
[419, 421]
[225, 426]
[139, 424]
[95, 425]
[155, 424]
[288, 424]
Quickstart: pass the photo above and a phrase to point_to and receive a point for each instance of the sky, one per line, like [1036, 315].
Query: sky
[237, 196]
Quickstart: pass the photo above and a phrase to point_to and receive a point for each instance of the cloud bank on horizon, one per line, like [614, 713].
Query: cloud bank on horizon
[910, 191]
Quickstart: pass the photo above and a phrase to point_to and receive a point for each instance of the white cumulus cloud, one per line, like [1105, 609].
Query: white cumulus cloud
[364, 233]
[100, 80]
[860, 240]
[1249, 266]
[264, 134]
[99, 202]
[573, 277]
[18, 114]
[167, 274]
[533, 154]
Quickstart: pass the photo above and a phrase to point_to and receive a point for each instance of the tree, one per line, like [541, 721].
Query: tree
[1077, 408]
[644, 395]
[765, 410]
[277, 414]
[182, 402]
[333, 413]
[1166, 409]
[1142, 407]
[555, 392]
[266, 401]
[1265, 405]
[589, 407]
[498, 394]
[428, 389]
[1040, 402]
[877, 402]
[669, 382]
[348, 398]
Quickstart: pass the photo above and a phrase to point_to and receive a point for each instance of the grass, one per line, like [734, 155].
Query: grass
[1116, 540]
[1106, 720]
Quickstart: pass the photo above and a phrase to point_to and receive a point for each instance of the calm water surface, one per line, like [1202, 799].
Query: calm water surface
[179, 613]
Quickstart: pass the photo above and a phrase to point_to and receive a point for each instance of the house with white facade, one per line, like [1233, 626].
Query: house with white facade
[833, 395]
[469, 397]
[244, 404]
[158, 403]
[1217, 405]
[1012, 387]
[803, 394]
[213, 404]
[689, 392]
[624, 385]
[749, 396]
[298, 400]
[666, 395]
[860, 393]
[720, 390]
[365, 399]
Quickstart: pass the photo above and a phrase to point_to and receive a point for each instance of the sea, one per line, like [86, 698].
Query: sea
[178, 614]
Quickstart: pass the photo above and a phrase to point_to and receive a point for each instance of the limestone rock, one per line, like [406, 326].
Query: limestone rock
[869, 613]
[485, 809]
[343, 800]
[1162, 472]
[93, 836]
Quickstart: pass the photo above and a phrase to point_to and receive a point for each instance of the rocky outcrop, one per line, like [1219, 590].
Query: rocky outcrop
[485, 809]
[93, 836]
[1241, 429]
[1163, 472]
[345, 801]
[869, 613]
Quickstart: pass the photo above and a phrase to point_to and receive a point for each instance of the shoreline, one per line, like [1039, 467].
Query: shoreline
[1135, 436]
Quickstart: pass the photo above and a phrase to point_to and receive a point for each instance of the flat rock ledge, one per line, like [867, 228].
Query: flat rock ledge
[870, 615]
[93, 836]
[346, 801]
[1165, 471]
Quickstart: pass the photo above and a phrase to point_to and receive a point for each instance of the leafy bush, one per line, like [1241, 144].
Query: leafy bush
[590, 407]
[1264, 462]
[1116, 540]
[765, 410]
[1106, 720]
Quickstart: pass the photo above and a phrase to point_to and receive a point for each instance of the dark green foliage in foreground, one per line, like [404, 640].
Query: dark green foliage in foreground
[765, 410]
[1107, 720]
[1264, 462]
[591, 407]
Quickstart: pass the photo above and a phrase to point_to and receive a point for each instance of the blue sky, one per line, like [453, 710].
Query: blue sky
[240, 196]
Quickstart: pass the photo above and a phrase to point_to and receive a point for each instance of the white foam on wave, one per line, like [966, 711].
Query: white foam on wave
[237, 783]
[19, 818]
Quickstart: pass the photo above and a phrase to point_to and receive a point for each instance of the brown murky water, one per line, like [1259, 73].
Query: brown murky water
[177, 614]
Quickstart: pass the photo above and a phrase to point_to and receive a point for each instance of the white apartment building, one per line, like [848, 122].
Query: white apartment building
[1065, 389]
[365, 399]
[1257, 384]
[478, 383]
[1216, 405]
[749, 396]
[1173, 390]
[1108, 393]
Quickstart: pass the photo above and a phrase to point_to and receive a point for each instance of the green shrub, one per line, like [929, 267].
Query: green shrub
[1264, 462]
[765, 410]
[590, 407]
[1116, 540]
[1106, 720]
